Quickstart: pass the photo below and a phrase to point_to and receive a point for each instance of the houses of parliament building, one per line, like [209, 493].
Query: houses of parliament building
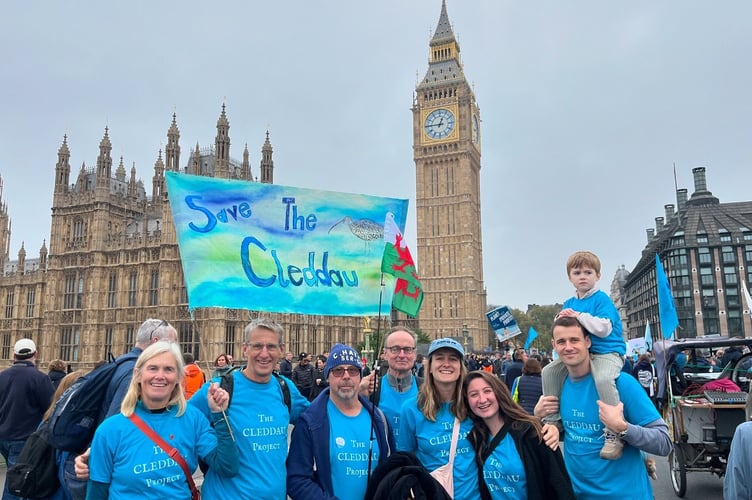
[113, 259]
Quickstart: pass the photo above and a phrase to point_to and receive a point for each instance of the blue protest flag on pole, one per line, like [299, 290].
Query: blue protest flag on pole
[531, 335]
[666, 307]
[648, 338]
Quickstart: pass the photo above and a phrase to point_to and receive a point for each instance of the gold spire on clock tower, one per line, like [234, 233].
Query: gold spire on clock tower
[447, 150]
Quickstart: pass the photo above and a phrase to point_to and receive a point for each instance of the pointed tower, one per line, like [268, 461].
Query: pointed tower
[194, 164]
[446, 149]
[158, 181]
[245, 168]
[104, 164]
[132, 180]
[62, 168]
[267, 164]
[120, 170]
[222, 147]
[21, 259]
[172, 150]
[43, 256]
[4, 230]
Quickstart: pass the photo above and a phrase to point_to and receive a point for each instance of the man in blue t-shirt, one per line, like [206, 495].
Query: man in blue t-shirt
[331, 452]
[259, 418]
[585, 419]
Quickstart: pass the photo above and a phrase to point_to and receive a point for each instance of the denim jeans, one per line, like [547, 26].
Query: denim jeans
[75, 487]
[10, 451]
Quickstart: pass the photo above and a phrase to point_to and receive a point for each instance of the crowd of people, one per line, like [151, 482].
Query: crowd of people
[483, 426]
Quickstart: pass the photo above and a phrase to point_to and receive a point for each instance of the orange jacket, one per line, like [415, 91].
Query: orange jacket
[194, 379]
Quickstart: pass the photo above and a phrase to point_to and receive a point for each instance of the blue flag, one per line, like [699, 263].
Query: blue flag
[666, 307]
[531, 335]
[648, 338]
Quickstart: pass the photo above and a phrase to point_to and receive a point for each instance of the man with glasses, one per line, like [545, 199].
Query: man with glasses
[258, 417]
[331, 451]
[398, 384]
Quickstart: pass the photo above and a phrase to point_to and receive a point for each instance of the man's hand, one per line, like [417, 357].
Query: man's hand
[546, 406]
[81, 465]
[367, 384]
[219, 399]
[551, 436]
[612, 416]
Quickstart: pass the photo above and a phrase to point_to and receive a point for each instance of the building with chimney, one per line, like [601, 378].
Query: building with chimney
[705, 247]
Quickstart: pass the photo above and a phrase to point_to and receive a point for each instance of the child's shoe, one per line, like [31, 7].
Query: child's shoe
[651, 468]
[612, 446]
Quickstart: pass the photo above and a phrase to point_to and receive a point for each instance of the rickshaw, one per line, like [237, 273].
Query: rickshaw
[701, 424]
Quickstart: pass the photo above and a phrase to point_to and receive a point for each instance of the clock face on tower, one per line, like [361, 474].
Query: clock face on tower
[476, 130]
[439, 123]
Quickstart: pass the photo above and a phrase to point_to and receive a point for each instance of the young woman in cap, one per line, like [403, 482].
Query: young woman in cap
[427, 422]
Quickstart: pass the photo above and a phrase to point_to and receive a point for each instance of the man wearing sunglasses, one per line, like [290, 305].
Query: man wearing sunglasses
[331, 451]
[398, 384]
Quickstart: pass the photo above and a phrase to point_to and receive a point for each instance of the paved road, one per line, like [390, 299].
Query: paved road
[700, 485]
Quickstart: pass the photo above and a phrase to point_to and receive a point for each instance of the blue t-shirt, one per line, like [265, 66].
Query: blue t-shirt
[592, 476]
[349, 439]
[600, 305]
[391, 401]
[259, 420]
[135, 466]
[430, 441]
[504, 472]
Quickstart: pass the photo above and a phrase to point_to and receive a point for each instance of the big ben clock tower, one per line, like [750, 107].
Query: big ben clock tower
[446, 150]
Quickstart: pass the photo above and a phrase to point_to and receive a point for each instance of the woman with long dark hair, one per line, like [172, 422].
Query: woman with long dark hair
[513, 459]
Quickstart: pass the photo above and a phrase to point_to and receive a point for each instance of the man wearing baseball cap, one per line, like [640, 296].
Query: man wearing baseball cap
[331, 448]
[25, 394]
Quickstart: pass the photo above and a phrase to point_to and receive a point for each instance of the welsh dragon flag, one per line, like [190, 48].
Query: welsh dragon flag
[397, 261]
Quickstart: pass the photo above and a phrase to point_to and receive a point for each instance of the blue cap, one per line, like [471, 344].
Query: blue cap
[446, 342]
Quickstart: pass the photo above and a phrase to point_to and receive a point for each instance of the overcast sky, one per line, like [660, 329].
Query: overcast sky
[585, 107]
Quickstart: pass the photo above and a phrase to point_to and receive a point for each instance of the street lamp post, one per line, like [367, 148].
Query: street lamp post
[465, 334]
[368, 351]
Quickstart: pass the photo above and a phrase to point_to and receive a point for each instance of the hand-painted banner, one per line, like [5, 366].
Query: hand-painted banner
[267, 247]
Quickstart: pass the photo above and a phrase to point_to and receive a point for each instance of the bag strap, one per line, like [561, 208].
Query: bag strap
[172, 452]
[455, 437]
[495, 441]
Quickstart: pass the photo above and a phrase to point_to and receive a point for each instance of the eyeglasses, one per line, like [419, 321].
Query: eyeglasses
[272, 348]
[340, 371]
[395, 349]
[160, 325]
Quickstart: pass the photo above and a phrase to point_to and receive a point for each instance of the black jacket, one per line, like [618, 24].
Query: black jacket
[546, 475]
[25, 394]
[285, 368]
[302, 376]
[529, 390]
[513, 371]
[316, 389]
